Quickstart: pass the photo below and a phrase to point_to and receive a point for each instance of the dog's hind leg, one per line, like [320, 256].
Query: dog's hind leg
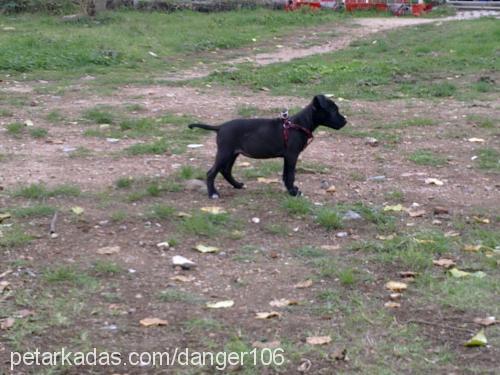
[221, 162]
[226, 172]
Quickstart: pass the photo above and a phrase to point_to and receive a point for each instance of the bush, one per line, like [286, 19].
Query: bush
[47, 6]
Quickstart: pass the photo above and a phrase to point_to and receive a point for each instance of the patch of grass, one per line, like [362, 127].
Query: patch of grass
[481, 121]
[410, 62]
[296, 205]
[203, 324]
[488, 159]
[188, 172]
[39, 191]
[15, 129]
[248, 111]
[81, 152]
[119, 216]
[6, 112]
[40, 210]
[395, 195]
[68, 274]
[276, 229]
[347, 276]
[427, 157]
[160, 212]
[54, 116]
[14, 237]
[175, 295]
[106, 268]
[38, 132]
[135, 107]
[329, 218]
[263, 169]
[308, 252]
[158, 147]
[203, 224]
[99, 115]
[124, 182]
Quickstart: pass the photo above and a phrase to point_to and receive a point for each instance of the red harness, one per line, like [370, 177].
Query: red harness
[287, 125]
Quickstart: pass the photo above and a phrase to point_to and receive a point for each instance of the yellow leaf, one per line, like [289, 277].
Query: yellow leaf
[395, 208]
[472, 248]
[455, 272]
[214, 210]
[444, 262]
[392, 305]
[183, 214]
[481, 220]
[206, 249]
[434, 181]
[451, 234]
[283, 302]
[318, 340]
[108, 250]
[77, 210]
[385, 238]
[479, 339]
[220, 304]
[153, 322]
[267, 315]
[183, 279]
[4, 216]
[396, 286]
[490, 320]
[304, 284]
[268, 180]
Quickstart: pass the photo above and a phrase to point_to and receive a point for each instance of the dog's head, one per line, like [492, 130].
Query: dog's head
[327, 113]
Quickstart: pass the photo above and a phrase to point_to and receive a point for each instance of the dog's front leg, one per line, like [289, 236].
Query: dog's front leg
[289, 175]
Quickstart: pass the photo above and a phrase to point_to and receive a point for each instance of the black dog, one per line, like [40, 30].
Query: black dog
[270, 138]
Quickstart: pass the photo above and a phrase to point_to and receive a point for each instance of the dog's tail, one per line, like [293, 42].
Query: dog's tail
[204, 126]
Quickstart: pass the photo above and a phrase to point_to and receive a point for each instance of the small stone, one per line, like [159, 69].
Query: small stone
[54, 235]
[395, 296]
[28, 123]
[112, 140]
[194, 145]
[194, 184]
[341, 234]
[163, 245]
[351, 215]
[182, 262]
[370, 141]
[332, 189]
[104, 126]
[255, 220]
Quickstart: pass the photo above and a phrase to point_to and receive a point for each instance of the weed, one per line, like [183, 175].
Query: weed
[427, 157]
[328, 218]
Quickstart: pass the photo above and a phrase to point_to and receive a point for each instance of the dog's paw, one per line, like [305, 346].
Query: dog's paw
[215, 196]
[295, 192]
[240, 185]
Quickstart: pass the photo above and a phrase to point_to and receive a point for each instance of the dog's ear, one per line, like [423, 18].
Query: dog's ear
[320, 101]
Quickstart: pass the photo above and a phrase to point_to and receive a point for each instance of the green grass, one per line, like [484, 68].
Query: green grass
[38, 132]
[329, 218]
[119, 216]
[248, 111]
[160, 212]
[488, 160]
[40, 191]
[40, 210]
[54, 116]
[15, 129]
[481, 121]
[81, 152]
[99, 115]
[262, 169]
[427, 157]
[308, 252]
[296, 205]
[174, 295]
[68, 274]
[409, 62]
[188, 172]
[6, 112]
[14, 237]
[106, 268]
[203, 224]
[124, 182]
[42, 43]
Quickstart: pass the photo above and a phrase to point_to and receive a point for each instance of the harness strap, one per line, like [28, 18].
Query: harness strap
[287, 125]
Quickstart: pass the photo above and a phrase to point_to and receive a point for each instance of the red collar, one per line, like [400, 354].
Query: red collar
[287, 125]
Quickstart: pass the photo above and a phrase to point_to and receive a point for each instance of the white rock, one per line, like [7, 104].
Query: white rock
[178, 260]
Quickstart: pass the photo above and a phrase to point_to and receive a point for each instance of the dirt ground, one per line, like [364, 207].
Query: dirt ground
[254, 265]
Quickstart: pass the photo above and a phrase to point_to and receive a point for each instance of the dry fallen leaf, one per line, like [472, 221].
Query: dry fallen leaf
[330, 247]
[395, 296]
[482, 220]
[490, 320]
[444, 262]
[4, 285]
[451, 233]
[417, 240]
[385, 238]
[264, 180]
[304, 284]
[183, 214]
[108, 250]
[214, 210]
[479, 339]
[183, 279]
[220, 304]
[283, 302]
[266, 344]
[434, 181]
[206, 249]
[7, 323]
[394, 208]
[472, 248]
[77, 210]
[4, 216]
[392, 305]
[153, 322]
[267, 315]
[476, 140]
[418, 213]
[455, 272]
[318, 340]
[396, 286]
[332, 189]
[244, 164]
